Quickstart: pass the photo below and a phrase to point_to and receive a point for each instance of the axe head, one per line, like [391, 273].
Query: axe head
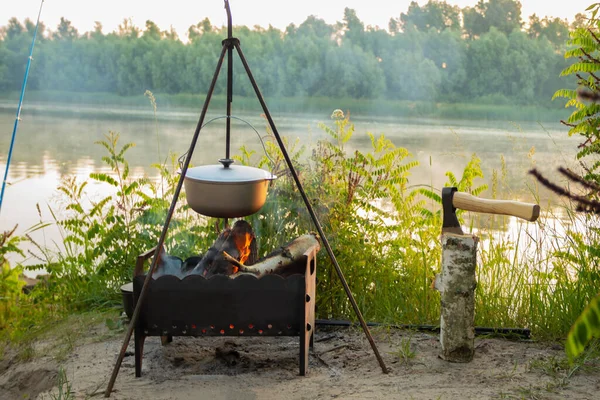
[450, 221]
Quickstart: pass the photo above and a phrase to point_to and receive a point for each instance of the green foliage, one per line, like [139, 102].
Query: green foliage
[553, 29]
[427, 55]
[10, 282]
[404, 351]
[371, 218]
[436, 15]
[585, 121]
[64, 387]
[504, 15]
[102, 238]
[585, 327]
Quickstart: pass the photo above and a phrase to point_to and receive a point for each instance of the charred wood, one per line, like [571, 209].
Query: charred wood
[230, 240]
[234, 252]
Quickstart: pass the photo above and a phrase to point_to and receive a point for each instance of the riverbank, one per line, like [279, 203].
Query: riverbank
[77, 356]
[487, 108]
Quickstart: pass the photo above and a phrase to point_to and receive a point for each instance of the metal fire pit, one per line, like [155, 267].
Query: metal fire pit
[221, 306]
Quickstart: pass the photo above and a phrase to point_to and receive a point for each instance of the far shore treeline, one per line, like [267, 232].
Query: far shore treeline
[436, 52]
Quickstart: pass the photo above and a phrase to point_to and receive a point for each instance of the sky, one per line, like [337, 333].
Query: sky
[181, 14]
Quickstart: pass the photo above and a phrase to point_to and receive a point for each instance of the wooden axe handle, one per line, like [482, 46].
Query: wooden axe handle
[468, 202]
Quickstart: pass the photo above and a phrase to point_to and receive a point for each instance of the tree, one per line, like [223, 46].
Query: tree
[437, 15]
[127, 30]
[66, 30]
[152, 31]
[486, 70]
[351, 72]
[505, 15]
[313, 58]
[316, 27]
[353, 27]
[474, 22]
[411, 76]
[171, 34]
[203, 27]
[377, 42]
[535, 28]
[97, 32]
[448, 51]
[580, 21]
[14, 28]
[30, 27]
[393, 26]
[554, 29]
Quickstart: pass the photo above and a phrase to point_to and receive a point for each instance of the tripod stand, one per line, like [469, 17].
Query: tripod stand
[228, 45]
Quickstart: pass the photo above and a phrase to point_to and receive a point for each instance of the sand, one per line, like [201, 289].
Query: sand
[342, 366]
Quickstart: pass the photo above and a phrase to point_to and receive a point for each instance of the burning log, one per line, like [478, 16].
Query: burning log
[238, 242]
[235, 253]
[284, 261]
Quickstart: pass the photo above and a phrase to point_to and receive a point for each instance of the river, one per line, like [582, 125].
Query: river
[57, 141]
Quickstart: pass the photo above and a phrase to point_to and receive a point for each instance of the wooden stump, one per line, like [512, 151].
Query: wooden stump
[456, 283]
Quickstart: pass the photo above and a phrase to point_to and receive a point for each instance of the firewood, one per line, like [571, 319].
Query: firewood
[233, 241]
[456, 284]
[235, 253]
[241, 267]
[285, 261]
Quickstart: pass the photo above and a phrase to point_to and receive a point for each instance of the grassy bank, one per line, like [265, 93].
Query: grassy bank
[485, 108]
[539, 279]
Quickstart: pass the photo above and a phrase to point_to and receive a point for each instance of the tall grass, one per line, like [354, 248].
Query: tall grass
[542, 278]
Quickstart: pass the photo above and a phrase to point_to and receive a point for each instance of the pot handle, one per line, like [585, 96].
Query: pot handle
[181, 158]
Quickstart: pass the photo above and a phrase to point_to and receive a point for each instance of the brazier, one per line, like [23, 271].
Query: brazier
[269, 305]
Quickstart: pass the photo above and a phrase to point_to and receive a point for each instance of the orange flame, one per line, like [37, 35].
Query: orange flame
[243, 245]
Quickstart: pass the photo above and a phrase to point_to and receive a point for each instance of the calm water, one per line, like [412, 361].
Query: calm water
[51, 146]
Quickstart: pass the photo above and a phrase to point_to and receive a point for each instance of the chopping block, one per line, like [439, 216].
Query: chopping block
[456, 283]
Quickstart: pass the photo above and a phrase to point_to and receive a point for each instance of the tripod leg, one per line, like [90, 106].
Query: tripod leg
[163, 234]
[311, 212]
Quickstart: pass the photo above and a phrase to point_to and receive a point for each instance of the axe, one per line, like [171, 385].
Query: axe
[453, 199]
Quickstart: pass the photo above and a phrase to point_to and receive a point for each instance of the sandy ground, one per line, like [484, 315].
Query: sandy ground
[342, 366]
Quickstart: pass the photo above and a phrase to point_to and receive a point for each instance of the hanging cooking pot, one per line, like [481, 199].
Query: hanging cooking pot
[226, 191]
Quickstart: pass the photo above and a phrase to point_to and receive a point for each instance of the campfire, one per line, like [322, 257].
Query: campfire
[234, 253]
[228, 291]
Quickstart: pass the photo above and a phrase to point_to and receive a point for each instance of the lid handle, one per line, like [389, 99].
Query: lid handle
[226, 162]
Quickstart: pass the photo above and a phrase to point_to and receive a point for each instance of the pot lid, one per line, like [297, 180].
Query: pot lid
[233, 173]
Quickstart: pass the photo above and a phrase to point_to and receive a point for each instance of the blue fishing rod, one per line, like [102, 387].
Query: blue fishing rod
[14, 134]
